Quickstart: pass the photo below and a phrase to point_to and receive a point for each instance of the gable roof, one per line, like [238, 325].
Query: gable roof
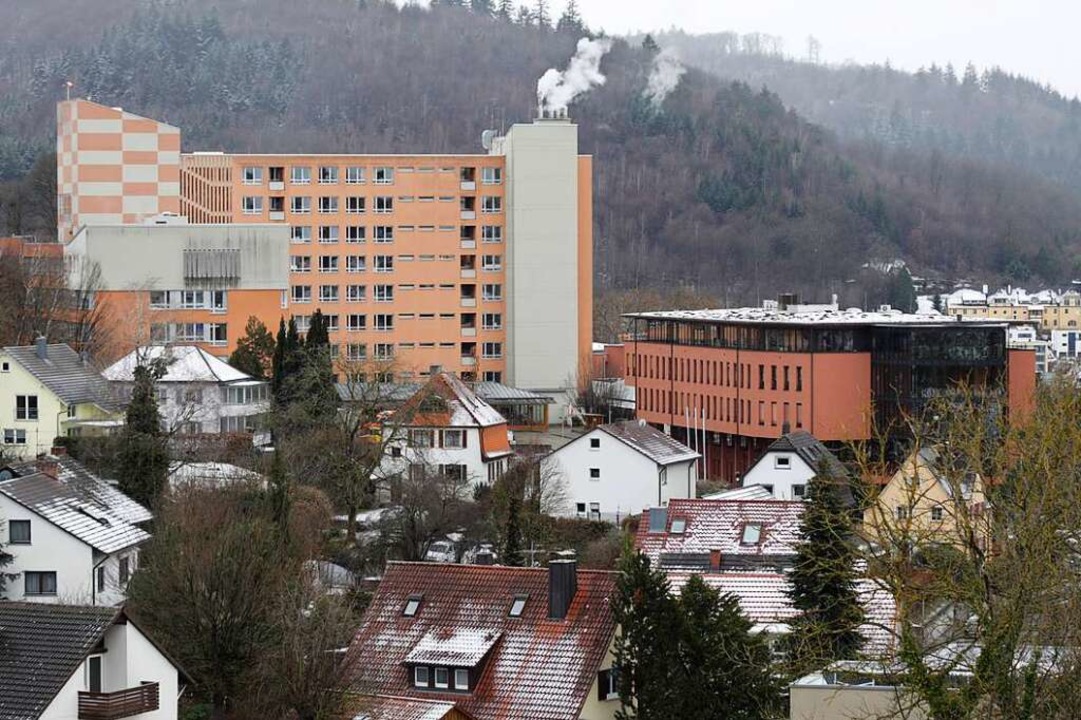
[65, 374]
[41, 646]
[718, 525]
[647, 440]
[809, 449]
[534, 667]
[76, 476]
[185, 363]
[747, 492]
[398, 708]
[82, 514]
[462, 406]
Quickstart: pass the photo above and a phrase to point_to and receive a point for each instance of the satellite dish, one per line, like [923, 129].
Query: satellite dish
[486, 138]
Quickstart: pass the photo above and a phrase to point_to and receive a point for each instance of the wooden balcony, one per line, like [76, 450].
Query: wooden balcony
[119, 704]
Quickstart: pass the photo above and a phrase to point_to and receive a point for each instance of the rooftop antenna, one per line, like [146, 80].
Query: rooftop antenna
[67, 88]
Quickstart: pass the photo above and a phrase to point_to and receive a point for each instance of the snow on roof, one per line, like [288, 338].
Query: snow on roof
[711, 525]
[463, 407]
[186, 363]
[540, 668]
[400, 708]
[460, 647]
[77, 476]
[649, 441]
[210, 474]
[820, 315]
[750, 492]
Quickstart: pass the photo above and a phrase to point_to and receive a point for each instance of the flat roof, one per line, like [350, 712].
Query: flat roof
[824, 316]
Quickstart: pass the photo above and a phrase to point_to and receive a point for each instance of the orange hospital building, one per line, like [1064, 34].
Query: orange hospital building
[728, 382]
[480, 264]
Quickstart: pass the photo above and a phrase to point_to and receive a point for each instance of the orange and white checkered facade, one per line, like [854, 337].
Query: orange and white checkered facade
[113, 167]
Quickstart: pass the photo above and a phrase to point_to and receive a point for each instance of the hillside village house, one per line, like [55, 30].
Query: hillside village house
[926, 502]
[618, 469]
[444, 427]
[745, 548]
[198, 393]
[74, 537]
[493, 642]
[49, 391]
[791, 462]
[93, 663]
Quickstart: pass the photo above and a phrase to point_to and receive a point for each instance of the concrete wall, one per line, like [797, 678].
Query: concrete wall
[542, 255]
[848, 702]
[628, 483]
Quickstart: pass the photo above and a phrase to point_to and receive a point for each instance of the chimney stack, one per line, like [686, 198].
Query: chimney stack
[562, 585]
[434, 370]
[786, 428]
[48, 465]
[42, 348]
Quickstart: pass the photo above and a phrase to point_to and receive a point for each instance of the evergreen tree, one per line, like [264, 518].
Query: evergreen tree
[277, 365]
[541, 17]
[316, 374]
[936, 302]
[728, 672]
[650, 45]
[571, 20]
[288, 363]
[279, 493]
[823, 582]
[318, 335]
[902, 292]
[485, 8]
[511, 552]
[143, 461]
[505, 10]
[255, 350]
[647, 646]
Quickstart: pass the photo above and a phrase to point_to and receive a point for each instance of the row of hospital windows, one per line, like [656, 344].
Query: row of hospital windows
[358, 174]
[720, 409]
[381, 234]
[491, 292]
[718, 373]
[383, 263]
[357, 204]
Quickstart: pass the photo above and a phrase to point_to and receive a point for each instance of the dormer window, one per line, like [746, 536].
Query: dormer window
[420, 676]
[442, 677]
[518, 605]
[412, 605]
[679, 526]
[461, 679]
[752, 534]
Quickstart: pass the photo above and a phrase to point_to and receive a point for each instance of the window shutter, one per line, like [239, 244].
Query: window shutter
[602, 684]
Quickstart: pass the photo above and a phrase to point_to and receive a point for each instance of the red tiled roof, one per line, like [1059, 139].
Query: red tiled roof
[399, 708]
[718, 525]
[537, 668]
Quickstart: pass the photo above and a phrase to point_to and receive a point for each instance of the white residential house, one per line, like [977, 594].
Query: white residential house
[199, 393]
[790, 462]
[49, 391]
[59, 662]
[618, 469]
[444, 427]
[74, 537]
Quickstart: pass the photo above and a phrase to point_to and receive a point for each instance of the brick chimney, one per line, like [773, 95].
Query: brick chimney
[58, 450]
[562, 585]
[48, 465]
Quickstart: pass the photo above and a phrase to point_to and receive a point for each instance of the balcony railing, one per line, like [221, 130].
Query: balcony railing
[119, 704]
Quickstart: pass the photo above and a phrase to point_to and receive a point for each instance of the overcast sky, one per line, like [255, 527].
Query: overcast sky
[1037, 38]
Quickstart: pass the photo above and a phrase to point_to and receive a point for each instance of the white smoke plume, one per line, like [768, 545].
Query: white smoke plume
[663, 77]
[556, 90]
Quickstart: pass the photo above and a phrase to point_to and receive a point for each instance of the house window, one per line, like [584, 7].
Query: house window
[581, 508]
[384, 263]
[125, 571]
[300, 234]
[594, 473]
[492, 350]
[608, 684]
[493, 376]
[382, 234]
[518, 605]
[799, 490]
[492, 321]
[19, 532]
[384, 351]
[328, 263]
[26, 407]
[491, 263]
[302, 293]
[355, 234]
[493, 292]
[461, 679]
[384, 204]
[679, 525]
[328, 204]
[594, 511]
[412, 605]
[328, 293]
[250, 205]
[782, 462]
[356, 322]
[354, 175]
[328, 234]
[300, 175]
[491, 204]
[300, 205]
[384, 322]
[420, 674]
[594, 443]
[454, 439]
[421, 438]
[442, 677]
[384, 293]
[356, 293]
[253, 175]
[491, 175]
[39, 583]
[355, 263]
[93, 673]
[5, 366]
[453, 471]
[14, 436]
[936, 513]
[100, 578]
[384, 176]
[354, 205]
[752, 534]
[328, 175]
[491, 233]
[901, 512]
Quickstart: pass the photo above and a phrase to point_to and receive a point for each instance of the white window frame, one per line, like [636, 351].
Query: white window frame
[356, 263]
[300, 175]
[492, 350]
[491, 175]
[328, 175]
[383, 205]
[329, 293]
[383, 293]
[355, 175]
[252, 175]
[304, 296]
[328, 205]
[300, 234]
[328, 263]
[300, 205]
[251, 205]
[383, 176]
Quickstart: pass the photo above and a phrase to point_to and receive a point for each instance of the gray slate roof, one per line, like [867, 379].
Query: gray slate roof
[41, 645]
[77, 477]
[650, 441]
[811, 450]
[80, 513]
[65, 374]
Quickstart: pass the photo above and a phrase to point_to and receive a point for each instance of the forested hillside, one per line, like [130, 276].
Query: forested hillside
[720, 189]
